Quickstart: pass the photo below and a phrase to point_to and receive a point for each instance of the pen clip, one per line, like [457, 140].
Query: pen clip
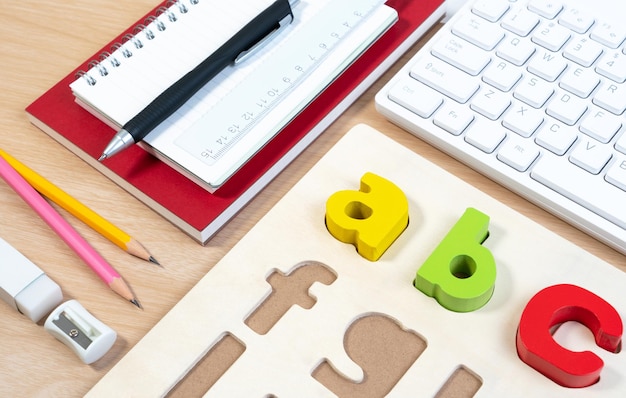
[283, 23]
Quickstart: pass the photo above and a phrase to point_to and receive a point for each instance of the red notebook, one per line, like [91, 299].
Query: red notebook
[194, 210]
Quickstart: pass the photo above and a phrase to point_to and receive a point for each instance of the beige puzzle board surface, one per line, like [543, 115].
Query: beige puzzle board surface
[303, 353]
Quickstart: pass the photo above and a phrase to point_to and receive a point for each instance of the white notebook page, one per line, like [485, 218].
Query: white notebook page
[190, 34]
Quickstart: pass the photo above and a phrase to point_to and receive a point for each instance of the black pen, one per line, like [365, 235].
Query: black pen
[256, 33]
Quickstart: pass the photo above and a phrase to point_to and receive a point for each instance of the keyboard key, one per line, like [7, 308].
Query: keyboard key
[522, 119]
[415, 97]
[616, 173]
[576, 19]
[620, 145]
[590, 155]
[579, 81]
[600, 125]
[484, 136]
[610, 35]
[556, 137]
[566, 107]
[545, 8]
[461, 54]
[582, 187]
[478, 31]
[516, 50]
[547, 65]
[583, 51]
[611, 97]
[521, 22]
[533, 91]
[453, 118]
[501, 75]
[551, 35]
[490, 103]
[444, 78]
[491, 10]
[517, 153]
[613, 66]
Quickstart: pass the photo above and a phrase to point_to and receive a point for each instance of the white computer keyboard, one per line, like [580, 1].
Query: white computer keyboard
[531, 94]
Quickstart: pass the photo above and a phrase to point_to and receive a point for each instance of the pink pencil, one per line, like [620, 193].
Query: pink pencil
[66, 232]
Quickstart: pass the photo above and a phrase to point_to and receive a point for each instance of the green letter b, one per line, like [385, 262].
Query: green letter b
[460, 273]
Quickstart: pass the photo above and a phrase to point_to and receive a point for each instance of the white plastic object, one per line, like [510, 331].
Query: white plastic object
[78, 329]
[24, 286]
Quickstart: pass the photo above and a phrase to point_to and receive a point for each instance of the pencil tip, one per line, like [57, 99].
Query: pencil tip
[154, 260]
[137, 303]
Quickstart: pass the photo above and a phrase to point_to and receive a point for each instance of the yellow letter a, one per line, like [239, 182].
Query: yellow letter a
[371, 218]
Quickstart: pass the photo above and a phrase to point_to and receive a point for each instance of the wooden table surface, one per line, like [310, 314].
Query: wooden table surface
[42, 41]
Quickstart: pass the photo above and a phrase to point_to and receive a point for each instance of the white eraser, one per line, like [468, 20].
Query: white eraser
[39, 298]
[24, 286]
[83, 333]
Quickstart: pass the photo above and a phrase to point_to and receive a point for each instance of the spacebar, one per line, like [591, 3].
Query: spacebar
[586, 189]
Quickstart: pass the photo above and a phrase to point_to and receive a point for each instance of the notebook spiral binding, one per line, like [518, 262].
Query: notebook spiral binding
[100, 65]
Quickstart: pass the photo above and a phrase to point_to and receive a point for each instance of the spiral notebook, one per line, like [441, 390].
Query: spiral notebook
[201, 214]
[226, 122]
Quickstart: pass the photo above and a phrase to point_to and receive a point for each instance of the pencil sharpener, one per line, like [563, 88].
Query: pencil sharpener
[78, 329]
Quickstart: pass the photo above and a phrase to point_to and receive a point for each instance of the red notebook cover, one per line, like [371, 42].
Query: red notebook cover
[197, 212]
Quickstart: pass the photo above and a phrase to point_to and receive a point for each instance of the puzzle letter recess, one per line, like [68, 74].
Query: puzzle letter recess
[380, 274]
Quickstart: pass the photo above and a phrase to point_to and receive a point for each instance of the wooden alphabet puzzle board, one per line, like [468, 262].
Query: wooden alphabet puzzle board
[363, 329]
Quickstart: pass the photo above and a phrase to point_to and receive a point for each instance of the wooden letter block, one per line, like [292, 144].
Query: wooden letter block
[371, 218]
[554, 306]
[460, 273]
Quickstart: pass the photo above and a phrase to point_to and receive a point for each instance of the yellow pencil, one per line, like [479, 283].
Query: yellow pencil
[79, 210]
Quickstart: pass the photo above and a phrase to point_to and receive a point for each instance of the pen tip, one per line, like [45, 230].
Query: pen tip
[102, 157]
[154, 260]
[136, 302]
